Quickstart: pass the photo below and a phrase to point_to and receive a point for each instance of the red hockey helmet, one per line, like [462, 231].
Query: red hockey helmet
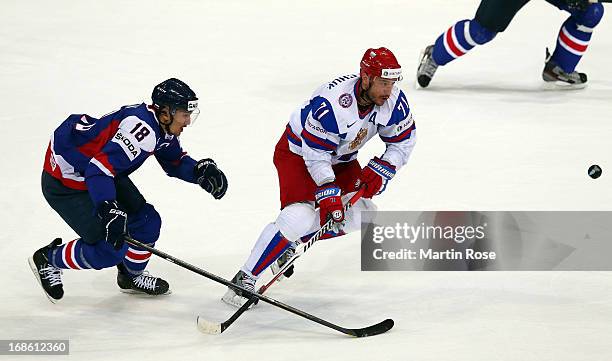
[381, 63]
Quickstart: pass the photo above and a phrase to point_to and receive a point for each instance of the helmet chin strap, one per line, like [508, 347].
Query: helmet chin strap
[166, 126]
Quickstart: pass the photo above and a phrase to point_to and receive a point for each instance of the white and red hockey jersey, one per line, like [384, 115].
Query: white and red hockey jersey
[328, 129]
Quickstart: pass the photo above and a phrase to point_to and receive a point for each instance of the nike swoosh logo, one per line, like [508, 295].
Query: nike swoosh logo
[350, 125]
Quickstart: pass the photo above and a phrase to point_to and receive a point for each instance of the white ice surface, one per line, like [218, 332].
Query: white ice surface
[490, 138]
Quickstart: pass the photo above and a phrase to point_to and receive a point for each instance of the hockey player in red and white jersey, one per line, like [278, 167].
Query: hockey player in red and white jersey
[316, 160]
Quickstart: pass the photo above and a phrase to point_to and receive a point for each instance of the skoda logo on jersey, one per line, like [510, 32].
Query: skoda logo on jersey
[345, 100]
[192, 105]
[126, 144]
[337, 214]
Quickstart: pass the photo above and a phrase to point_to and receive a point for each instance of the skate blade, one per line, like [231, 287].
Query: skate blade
[232, 299]
[274, 268]
[561, 85]
[130, 291]
[37, 276]
[418, 86]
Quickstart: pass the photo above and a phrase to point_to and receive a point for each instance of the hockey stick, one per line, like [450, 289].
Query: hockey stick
[376, 329]
[216, 328]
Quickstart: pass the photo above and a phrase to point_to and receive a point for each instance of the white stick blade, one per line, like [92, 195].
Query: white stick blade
[211, 328]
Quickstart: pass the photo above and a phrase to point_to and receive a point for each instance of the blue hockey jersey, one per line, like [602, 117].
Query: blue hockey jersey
[86, 153]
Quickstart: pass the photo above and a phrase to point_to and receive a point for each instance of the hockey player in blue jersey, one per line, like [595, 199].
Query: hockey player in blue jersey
[494, 16]
[316, 161]
[86, 181]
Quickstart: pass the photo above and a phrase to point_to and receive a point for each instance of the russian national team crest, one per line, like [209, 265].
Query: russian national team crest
[345, 100]
[363, 132]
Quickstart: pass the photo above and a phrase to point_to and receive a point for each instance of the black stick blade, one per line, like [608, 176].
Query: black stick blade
[373, 330]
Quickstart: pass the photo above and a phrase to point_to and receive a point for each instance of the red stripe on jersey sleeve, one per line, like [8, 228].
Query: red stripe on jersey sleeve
[103, 158]
[94, 146]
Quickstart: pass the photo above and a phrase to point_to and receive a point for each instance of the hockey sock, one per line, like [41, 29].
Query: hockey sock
[77, 254]
[143, 226]
[69, 255]
[459, 39]
[575, 35]
[136, 259]
[269, 246]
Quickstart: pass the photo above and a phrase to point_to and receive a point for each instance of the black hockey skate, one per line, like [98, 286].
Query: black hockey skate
[281, 261]
[142, 284]
[48, 276]
[553, 73]
[427, 67]
[234, 296]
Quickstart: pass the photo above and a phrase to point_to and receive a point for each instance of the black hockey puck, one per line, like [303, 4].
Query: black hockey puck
[594, 171]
